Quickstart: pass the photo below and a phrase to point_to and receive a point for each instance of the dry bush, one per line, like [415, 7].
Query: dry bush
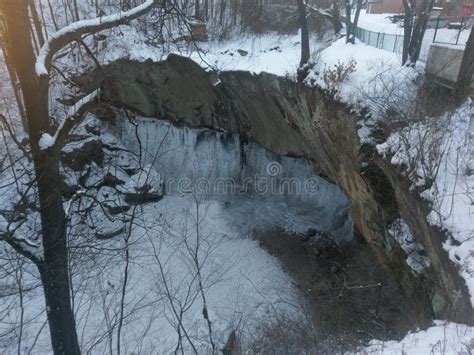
[334, 77]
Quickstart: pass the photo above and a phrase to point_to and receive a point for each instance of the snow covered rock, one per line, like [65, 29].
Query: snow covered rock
[127, 161]
[242, 52]
[144, 186]
[112, 200]
[115, 176]
[416, 255]
[105, 226]
[77, 154]
[69, 182]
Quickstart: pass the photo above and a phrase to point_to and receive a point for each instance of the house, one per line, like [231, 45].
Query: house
[456, 7]
[384, 6]
[459, 8]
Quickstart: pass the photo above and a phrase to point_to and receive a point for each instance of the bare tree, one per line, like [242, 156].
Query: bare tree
[414, 24]
[197, 9]
[305, 50]
[302, 15]
[332, 14]
[351, 25]
[46, 140]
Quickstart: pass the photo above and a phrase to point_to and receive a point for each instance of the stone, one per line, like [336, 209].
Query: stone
[112, 200]
[109, 231]
[144, 186]
[242, 52]
[79, 153]
[115, 176]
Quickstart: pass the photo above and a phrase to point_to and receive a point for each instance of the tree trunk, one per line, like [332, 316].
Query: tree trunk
[37, 23]
[351, 27]
[16, 89]
[222, 11]
[197, 10]
[54, 267]
[413, 34]
[336, 18]
[305, 51]
[467, 68]
[356, 20]
[348, 21]
[407, 23]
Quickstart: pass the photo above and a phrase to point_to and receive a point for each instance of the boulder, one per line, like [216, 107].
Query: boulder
[242, 52]
[79, 153]
[144, 186]
[112, 200]
[106, 227]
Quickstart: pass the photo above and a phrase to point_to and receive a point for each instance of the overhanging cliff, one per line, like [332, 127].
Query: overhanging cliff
[290, 119]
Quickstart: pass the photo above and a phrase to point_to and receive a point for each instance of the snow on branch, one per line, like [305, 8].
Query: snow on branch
[326, 13]
[76, 29]
[47, 141]
[21, 244]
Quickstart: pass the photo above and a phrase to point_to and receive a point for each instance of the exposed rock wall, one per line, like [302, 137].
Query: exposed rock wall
[290, 119]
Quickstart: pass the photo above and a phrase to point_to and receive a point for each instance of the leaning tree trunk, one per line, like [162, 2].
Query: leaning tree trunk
[54, 267]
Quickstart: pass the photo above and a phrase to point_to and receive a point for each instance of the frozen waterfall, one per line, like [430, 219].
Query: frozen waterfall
[260, 188]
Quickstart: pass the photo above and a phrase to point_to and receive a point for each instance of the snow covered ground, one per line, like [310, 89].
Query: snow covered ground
[271, 53]
[245, 287]
[377, 73]
[381, 23]
[442, 338]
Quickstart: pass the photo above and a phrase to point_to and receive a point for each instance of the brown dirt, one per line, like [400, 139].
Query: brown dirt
[351, 298]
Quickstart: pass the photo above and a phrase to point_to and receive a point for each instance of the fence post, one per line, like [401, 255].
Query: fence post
[460, 29]
[378, 37]
[436, 29]
[395, 44]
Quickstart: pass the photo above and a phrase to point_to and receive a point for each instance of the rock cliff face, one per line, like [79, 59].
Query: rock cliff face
[290, 119]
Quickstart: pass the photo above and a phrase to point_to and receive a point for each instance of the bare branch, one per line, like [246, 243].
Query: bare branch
[22, 245]
[76, 112]
[75, 30]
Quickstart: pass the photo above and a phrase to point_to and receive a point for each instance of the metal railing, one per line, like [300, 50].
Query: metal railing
[442, 29]
[381, 40]
[450, 29]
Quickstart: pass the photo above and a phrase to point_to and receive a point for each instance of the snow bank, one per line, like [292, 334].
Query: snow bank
[442, 338]
[271, 53]
[377, 74]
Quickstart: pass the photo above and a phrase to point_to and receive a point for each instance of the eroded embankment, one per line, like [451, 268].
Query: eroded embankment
[290, 119]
